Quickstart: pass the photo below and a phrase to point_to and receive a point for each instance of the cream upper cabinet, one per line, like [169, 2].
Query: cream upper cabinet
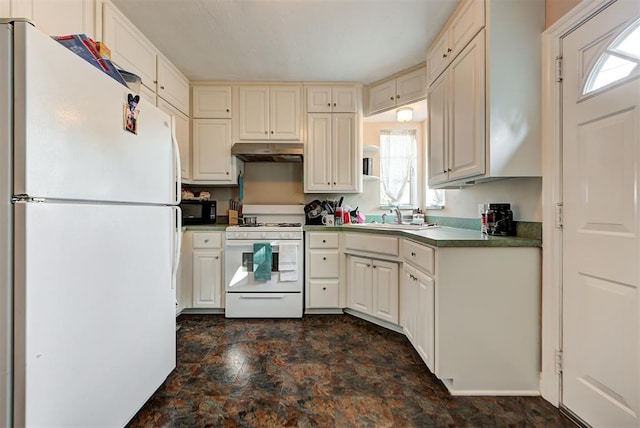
[212, 160]
[211, 102]
[270, 112]
[485, 100]
[148, 95]
[462, 27]
[456, 118]
[182, 135]
[326, 99]
[130, 49]
[403, 89]
[173, 86]
[331, 153]
[54, 17]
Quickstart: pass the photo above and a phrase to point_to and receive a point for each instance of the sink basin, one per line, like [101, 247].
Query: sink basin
[403, 226]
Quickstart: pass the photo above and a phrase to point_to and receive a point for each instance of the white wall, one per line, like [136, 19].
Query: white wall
[524, 195]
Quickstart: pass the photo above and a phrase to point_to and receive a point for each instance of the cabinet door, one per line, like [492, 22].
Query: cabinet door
[438, 131]
[345, 159]
[317, 158]
[425, 318]
[408, 304]
[344, 100]
[438, 57]
[172, 85]
[466, 102]
[184, 285]
[211, 102]
[56, 17]
[385, 290]
[148, 95]
[130, 50]
[382, 96]
[359, 290]
[207, 279]
[212, 150]
[182, 134]
[466, 24]
[254, 112]
[319, 99]
[412, 86]
[285, 112]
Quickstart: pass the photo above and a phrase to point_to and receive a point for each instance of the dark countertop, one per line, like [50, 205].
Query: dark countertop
[438, 236]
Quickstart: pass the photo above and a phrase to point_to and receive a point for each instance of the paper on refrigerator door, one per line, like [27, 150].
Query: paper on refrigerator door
[288, 262]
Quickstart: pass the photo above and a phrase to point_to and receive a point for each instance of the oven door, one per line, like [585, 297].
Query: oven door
[240, 267]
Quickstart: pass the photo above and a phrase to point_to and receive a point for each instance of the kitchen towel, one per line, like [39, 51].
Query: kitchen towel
[288, 261]
[262, 261]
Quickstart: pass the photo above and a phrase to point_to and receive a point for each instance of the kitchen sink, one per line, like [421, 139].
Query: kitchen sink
[397, 226]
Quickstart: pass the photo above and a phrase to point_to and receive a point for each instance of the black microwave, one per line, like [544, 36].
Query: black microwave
[198, 212]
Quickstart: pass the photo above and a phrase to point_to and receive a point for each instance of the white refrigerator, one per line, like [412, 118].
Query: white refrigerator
[89, 236]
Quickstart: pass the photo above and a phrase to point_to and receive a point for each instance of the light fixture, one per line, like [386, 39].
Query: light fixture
[405, 114]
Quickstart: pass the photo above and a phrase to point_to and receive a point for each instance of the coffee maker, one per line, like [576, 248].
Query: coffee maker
[499, 218]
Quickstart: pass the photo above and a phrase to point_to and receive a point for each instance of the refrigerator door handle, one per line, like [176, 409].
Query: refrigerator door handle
[177, 245]
[176, 164]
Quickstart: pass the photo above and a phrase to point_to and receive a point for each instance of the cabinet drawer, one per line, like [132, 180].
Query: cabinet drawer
[207, 240]
[324, 264]
[323, 240]
[418, 255]
[324, 294]
[371, 243]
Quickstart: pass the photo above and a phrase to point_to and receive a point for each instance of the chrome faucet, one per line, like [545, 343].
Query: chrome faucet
[398, 215]
[384, 218]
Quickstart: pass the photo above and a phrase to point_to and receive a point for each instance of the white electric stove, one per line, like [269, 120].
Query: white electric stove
[271, 287]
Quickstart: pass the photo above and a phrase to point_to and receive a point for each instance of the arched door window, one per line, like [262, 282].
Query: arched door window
[620, 60]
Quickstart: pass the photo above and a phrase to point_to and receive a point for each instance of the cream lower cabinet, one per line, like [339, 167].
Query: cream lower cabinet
[332, 154]
[373, 287]
[322, 271]
[200, 276]
[207, 265]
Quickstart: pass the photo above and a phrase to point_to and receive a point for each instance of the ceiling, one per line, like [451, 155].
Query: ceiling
[290, 40]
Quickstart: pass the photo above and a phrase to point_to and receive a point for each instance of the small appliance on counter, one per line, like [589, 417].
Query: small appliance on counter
[198, 211]
[499, 219]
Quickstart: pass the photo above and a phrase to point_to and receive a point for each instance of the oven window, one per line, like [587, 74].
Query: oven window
[247, 262]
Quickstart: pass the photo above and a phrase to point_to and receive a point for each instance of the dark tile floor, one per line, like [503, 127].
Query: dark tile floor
[324, 371]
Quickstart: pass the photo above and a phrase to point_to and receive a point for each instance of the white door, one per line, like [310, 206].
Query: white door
[211, 150]
[385, 290]
[317, 159]
[254, 113]
[360, 297]
[601, 249]
[207, 279]
[345, 160]
[285, 110]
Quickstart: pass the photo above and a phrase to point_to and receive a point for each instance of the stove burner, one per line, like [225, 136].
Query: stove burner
[251, 225]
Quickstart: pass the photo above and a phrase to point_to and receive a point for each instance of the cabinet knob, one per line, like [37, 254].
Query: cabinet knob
[162, 87]
[217, 257]
[265, 132]
[397, 97]
[324, 258]
[374, 266]
[334, 104]
[444, 56]
[413, 254]
[368, 265]
[334, 183]
[444, 171]
[227, 172]
[448, 50]
[227, 110]
[324, 288]
[393, 98]
[206, 240]
[449, 170]
[328, 184]
[328, 104]
[155, 81]
[324, 241]
[272, 132]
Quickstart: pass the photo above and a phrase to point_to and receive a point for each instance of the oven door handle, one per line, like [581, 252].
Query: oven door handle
[262, 296]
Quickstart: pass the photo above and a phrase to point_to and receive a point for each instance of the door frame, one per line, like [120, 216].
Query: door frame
[551, 379]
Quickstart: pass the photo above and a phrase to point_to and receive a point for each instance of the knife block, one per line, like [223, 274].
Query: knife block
[233, 217]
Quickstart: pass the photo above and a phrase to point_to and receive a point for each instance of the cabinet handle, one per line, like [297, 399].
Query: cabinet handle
[413, 254]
